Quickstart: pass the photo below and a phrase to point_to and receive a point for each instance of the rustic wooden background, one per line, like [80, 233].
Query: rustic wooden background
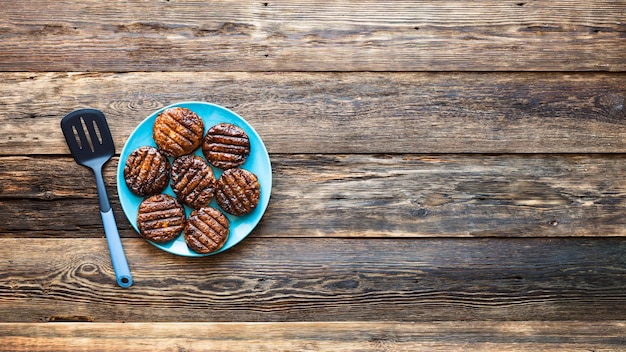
[448, 175]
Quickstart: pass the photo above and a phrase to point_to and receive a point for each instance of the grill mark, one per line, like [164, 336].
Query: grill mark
[193, 184]
[160, 234]
[202, 234]
[229, 139]
[166, 204]
[231, 199]
[228, 148]
[243, 180]
[179, 127]
[175, 136]
[226, 193]
[154, 173]
[239, 194]
[193, 235]
[158, 226]
[181, 178]
[228, 129]
[162, 177]
[191, 121]
[160, 214]
[204, 189]
[173, 145]
[135, 168]
[144, 168]
[226, 157]
[213, 222]
[226, 161]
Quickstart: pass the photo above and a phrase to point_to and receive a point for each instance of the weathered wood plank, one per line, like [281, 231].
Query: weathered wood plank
[284, 279]
[323, 336]
[360, 195]
[339, 112]
[92, 35]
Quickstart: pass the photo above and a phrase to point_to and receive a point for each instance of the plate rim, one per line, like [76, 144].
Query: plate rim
[264, 202]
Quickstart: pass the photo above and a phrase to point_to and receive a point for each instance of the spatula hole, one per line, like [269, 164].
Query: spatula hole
[95, 128]
[75, 131]
[82, 122]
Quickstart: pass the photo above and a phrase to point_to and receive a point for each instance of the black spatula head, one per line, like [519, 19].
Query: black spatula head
[88, 136]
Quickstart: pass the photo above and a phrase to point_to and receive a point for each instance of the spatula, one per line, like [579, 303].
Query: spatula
[87, 135]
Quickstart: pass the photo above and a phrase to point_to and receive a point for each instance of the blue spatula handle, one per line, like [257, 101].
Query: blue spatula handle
[118, 258]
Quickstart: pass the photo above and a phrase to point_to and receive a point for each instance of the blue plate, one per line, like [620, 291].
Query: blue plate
[258, 162]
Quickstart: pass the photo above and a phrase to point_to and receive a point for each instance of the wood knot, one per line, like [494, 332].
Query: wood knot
[70, 318]
[420, 213]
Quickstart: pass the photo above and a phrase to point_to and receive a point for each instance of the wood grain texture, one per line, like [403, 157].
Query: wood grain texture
[91, 35]
[285, 279]
[339, 112]
[360, 196]
[447, 175]
[327, 336]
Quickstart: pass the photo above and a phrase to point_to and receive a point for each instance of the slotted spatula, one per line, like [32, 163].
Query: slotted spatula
[87, 135]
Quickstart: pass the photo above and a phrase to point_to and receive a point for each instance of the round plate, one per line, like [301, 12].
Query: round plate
[258, 162]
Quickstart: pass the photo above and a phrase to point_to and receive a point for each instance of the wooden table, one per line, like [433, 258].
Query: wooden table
[448, 175]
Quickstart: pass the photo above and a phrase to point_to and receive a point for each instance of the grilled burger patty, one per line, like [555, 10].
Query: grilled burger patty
[146, 171]
[178, 131]
[161, 218]
[238, 191]
[193, 181]
[207, 230]
[226, 146]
